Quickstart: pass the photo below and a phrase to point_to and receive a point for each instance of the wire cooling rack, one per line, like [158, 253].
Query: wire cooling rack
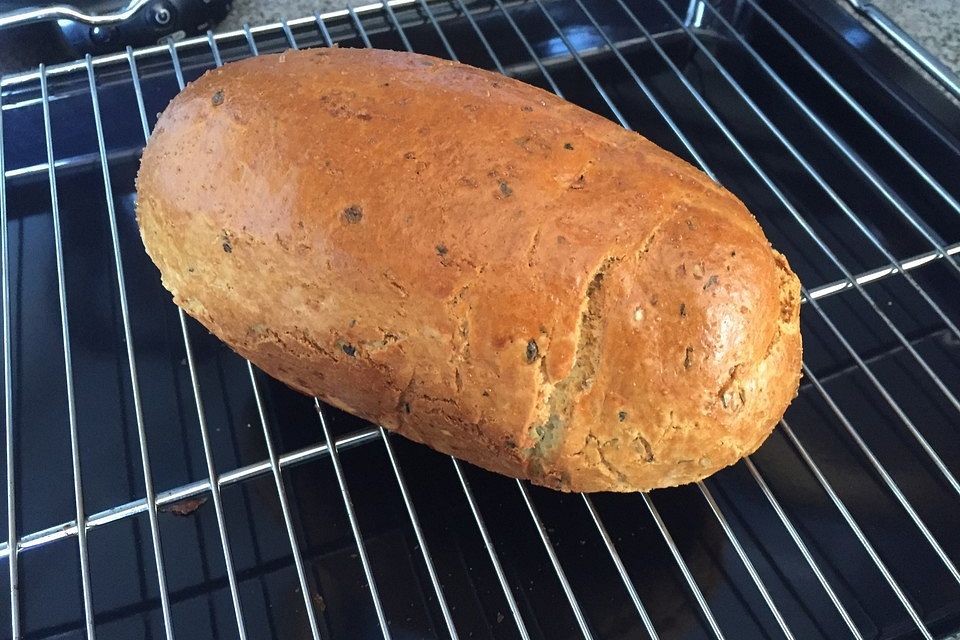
[159, 486]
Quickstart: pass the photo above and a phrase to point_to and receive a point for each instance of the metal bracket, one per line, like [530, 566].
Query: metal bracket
[68, 12]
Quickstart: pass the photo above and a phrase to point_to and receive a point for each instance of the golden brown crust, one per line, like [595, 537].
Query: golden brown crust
[474, 263]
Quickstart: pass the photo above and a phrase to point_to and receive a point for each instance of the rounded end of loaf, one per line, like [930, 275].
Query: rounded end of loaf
[689, 354]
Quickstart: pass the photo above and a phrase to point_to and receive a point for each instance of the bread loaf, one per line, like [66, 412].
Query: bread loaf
[473, 263]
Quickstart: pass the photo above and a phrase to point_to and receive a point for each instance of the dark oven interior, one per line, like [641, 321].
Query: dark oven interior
[844, 524]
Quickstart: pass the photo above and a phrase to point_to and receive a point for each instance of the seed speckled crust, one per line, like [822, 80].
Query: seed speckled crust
[474, 263]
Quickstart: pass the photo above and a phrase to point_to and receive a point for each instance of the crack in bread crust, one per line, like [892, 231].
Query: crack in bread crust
[563, 395]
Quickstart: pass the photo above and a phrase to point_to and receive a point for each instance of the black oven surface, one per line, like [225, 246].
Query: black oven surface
[212, 507]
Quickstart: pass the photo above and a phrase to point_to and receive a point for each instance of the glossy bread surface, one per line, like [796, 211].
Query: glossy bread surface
[474, 263]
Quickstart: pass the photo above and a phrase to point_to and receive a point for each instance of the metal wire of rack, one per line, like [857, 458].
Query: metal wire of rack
[720, 99]
[937, 70]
